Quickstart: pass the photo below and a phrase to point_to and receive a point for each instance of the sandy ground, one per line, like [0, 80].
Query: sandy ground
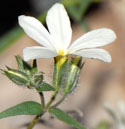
[99, 82]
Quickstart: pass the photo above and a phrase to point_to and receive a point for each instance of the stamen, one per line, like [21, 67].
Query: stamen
[62, 52]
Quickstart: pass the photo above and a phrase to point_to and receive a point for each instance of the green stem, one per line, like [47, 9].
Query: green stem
[32, 124]
[52, 99]
[60, 101]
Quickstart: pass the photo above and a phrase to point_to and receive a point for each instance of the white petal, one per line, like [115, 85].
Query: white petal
[59, 26]
[37, 52]
[34, 29]
[94, 38]
[97, 53]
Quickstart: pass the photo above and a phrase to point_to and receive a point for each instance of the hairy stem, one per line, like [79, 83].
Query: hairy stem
[52, 99]
[32, 124]
[60, 101]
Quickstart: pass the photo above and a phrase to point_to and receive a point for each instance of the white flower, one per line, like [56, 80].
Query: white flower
[57, 41]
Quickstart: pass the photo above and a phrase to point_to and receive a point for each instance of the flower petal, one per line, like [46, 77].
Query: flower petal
[59, 26]
[34, 29]
[37, 52]
[97, 53]
[94, 38]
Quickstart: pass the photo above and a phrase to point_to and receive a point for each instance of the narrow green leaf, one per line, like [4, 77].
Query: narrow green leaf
[25, 108]
[45, 87]
[59, 114]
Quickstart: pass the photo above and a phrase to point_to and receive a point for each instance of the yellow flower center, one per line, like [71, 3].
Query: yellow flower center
[63, 52]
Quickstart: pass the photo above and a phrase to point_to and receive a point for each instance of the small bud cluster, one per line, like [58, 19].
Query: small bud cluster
[25, 75]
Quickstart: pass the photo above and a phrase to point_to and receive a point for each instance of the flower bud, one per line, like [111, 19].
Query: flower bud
[18, 77]
[68, 75]
[72, 79]
[36, 81]
[26, 75]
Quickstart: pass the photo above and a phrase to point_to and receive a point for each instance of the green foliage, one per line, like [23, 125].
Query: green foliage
[68, 3]
[25, 108]
[45, 87]
[77, 11]
[59, 114]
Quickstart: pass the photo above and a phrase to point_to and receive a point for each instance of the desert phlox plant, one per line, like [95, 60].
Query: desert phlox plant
[54, 43]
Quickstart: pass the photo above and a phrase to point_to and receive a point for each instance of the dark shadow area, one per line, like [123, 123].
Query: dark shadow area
[9, 12]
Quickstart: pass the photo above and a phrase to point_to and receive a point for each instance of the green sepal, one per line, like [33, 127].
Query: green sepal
[45, 87]
[22, 65]
[34, 67]
[36, 80]
[68, 76]
[77, 61]
[59, 61]
[61, 115]
[18, 77]
[62, 76]
[72, 79]
[27, 67]
[25, 108]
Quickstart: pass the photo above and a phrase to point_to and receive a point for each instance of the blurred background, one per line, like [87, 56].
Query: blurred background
[99, 84]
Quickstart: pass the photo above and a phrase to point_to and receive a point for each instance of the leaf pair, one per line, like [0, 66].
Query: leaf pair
[34, 108]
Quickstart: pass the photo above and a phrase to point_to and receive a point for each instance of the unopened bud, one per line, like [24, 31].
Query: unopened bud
[36, 80]
[18, 77]
[68, 75]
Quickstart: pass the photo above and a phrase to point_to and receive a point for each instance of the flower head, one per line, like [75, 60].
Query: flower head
[57, 41]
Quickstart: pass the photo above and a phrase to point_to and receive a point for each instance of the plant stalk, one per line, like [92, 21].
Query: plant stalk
[32, 124]
[60, 101]
[52, 99]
